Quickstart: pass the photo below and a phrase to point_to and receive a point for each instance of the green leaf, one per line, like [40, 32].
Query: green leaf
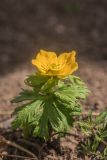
[48, 86]
[57, 119]
[73, 91]
[85, 127]
[64, 98]
[97, 137]
[75, 80]
[61, 84]
[51, 115]
[105, 152]
[27, 113]
[35, 80]
[100, 118]
[95, 145]
[104, 134]
[77, 110]
[66, 111]
[25, 95]
[43, 124]
[80, 85]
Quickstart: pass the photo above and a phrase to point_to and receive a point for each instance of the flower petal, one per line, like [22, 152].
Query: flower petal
[66, 57]
[47, 57]
[43, 60]
[70, 64]
[38, 65]
[68, 69]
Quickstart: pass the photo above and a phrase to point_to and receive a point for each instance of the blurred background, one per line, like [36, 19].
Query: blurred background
[26, 26]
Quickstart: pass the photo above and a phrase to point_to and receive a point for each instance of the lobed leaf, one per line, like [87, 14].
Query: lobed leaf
[25, 95]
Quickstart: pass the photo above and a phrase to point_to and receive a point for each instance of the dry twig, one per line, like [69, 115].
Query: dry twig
[13, 144]
[37, 146]
[5, 154]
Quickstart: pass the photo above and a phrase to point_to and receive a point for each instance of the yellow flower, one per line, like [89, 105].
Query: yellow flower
[49, 64]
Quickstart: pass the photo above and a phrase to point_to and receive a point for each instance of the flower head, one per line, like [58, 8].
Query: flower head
[49, 64]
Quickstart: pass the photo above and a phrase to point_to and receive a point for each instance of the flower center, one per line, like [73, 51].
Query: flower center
[56, 67]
